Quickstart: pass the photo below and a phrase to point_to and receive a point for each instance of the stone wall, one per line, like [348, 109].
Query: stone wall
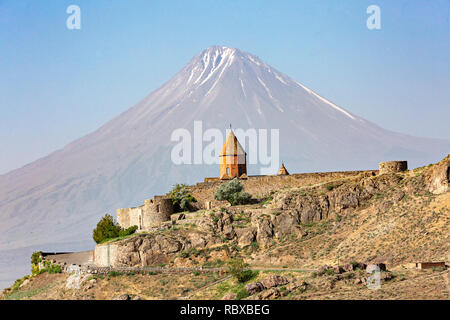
[152, 213]
[157, 211]
[261, 186]
[105, 255]
[130, 217]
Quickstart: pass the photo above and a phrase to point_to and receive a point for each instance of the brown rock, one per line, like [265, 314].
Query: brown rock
[229, 296]
[253, 288]
[264, 231]
[272, 293]
[274, 281]
[386, 276]
[245, 236]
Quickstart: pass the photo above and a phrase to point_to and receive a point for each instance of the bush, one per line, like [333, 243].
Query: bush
[127, 232]
[54, 269]
[241, 294]
[240, 270]
[36, 257]
[233, 192]
[106, 229]
[181, 198]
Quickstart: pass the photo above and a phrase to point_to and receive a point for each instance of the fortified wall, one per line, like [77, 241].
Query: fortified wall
[160, 208]
[151, 214]
[261, 186]
[393, 166]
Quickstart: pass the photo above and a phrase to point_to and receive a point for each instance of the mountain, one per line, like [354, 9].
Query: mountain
[59, 198]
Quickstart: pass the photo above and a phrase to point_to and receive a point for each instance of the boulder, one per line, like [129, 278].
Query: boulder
[274, 281]
[253, 288]
[272, 293]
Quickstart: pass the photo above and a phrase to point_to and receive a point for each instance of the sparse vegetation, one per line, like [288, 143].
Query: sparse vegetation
[233, 192]
[181, 198]
[240, 270]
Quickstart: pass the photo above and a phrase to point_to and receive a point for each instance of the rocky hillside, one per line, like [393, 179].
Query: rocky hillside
[393, 218]
[397, 219]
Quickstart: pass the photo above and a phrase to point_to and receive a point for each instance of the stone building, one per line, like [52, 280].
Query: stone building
[233, 159]
[392, 166]
[151, 214]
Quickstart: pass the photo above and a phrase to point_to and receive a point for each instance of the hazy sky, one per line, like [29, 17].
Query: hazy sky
[57, 85]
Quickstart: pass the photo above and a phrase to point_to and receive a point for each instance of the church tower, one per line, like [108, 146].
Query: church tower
[233, 158]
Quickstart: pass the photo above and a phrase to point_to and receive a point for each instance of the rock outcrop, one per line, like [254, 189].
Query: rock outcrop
[437, 177]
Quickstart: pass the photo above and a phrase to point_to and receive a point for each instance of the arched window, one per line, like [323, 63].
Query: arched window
[228, 171]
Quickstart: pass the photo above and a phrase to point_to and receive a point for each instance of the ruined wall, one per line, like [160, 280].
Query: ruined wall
[157, 210]
[130, 217]
[393, 166]
[152, 213]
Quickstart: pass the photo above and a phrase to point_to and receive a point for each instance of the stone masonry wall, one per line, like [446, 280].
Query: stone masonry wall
[130, 217]
[393, 166]
[105, 255]
[260, 186]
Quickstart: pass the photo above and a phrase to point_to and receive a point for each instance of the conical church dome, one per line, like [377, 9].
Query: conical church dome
[283, 171]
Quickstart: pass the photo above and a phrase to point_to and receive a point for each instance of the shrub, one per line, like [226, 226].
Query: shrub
[233, 192]
[36, 257]
[240, 270]
[181, 198]
[127, 232]
[54, 269]
[241, 294]
[114, 273]
[106, 229]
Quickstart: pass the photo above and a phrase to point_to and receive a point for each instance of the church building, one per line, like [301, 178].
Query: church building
[233, 159]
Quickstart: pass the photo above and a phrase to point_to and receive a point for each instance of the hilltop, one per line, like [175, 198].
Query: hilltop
[317, 236]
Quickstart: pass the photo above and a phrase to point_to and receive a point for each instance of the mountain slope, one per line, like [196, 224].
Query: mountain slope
[61, 197]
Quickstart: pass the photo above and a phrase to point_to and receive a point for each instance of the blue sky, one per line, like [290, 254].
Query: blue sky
[57, 85]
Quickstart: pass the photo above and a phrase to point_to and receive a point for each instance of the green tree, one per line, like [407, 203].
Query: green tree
[181, 198]
[36, 257]
[106, 229]
[240, 270]
[233, 192]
